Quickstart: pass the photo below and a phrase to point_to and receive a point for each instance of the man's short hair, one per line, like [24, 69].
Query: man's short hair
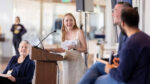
[125, 4]
[130, 16]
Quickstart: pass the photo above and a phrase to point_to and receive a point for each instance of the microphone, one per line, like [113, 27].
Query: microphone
[45, 38]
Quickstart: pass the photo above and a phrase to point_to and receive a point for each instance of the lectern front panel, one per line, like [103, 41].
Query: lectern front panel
[46, 72]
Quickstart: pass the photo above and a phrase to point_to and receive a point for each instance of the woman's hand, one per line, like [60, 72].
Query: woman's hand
[71, 47]
[10, 77]
[4, 75]
[0, 74]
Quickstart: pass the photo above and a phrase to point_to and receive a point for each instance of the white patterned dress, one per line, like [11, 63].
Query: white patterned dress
[73, 65]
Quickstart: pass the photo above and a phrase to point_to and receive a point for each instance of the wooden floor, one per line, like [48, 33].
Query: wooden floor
[3, 63]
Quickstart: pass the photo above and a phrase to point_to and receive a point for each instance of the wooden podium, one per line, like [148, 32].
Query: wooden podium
[46, 66]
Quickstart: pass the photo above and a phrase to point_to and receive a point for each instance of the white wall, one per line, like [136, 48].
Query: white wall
[29, 13]
[97, 18]
[147, 16]
[6, 13]
[140, 5]
[110, 31]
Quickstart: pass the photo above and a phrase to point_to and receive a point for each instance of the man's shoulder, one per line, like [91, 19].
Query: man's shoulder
[138, 39]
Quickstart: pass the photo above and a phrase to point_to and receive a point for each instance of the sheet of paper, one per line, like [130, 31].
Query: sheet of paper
[67, 43]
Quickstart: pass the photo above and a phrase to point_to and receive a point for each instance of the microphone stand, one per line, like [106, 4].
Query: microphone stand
[45, 38]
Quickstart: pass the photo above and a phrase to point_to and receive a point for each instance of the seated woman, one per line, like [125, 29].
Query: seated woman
[20, 68]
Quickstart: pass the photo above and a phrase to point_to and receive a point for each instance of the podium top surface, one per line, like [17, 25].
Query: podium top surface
[43, 55]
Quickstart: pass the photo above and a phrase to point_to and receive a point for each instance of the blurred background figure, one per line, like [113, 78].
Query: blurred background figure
[18, 31]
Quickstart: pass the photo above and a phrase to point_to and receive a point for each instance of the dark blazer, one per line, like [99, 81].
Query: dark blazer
[24, 74]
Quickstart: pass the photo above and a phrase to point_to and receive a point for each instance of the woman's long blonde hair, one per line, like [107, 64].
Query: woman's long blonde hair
[63, 30]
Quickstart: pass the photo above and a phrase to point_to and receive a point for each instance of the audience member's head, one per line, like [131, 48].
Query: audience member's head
[24, 48]
[17, 20]
[129, 18]
[117, 11]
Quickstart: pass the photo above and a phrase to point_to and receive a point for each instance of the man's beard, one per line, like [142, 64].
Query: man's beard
[122, 31]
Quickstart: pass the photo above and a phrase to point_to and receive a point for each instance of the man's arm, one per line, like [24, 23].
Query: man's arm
[127, 63]
[102, 61]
